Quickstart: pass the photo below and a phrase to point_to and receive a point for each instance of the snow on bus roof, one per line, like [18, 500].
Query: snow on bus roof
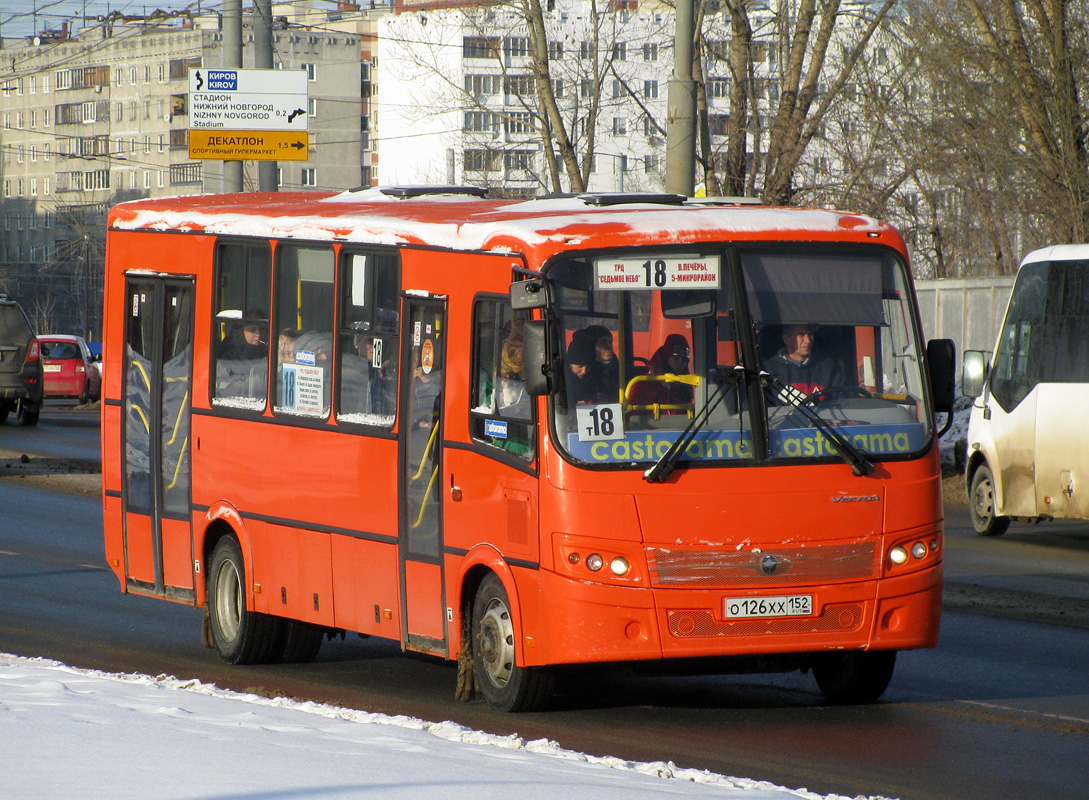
[464, 222]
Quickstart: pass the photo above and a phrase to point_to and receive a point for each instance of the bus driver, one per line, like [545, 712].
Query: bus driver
[799, 366]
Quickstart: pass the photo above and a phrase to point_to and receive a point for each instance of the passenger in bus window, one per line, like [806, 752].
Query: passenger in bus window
[286, 347]
[513, 400]
[799, 365]
[381, 386]
[583, 383]
[605, 365]
[246, 339]
[670, 359]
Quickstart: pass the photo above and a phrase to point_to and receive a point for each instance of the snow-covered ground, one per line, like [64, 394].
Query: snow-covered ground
[68, 733]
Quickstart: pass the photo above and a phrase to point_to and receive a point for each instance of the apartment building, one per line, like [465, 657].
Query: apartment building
[100, 117]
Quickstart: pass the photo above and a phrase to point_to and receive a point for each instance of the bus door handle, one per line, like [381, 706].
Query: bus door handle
[455, 490]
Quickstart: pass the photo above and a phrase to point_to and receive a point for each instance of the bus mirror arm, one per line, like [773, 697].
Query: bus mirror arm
[855, 458]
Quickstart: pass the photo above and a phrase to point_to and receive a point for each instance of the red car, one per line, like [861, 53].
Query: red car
[68, 368]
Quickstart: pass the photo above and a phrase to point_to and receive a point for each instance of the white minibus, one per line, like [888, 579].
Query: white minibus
[1028, 436]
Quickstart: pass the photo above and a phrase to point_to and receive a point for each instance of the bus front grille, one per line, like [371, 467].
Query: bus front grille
[703, 569]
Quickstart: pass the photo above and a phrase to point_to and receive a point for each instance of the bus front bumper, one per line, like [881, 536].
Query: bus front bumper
[593, 622]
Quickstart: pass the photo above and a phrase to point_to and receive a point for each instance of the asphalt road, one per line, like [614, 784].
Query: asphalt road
[999, 710]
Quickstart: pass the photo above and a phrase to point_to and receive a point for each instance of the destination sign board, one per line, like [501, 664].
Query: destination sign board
[249, 145]
[248, 99]
[658, 272]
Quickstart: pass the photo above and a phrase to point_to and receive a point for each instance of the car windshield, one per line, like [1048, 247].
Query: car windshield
[730, 355]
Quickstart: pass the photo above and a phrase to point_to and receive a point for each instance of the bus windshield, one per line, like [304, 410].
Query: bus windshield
[735, 355]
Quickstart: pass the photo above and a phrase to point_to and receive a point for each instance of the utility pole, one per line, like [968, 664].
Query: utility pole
[262, 51]
[681, 119]
[232, 59]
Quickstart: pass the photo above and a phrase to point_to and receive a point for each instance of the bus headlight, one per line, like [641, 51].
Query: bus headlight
[594, 562]
[898, 555]
[619, 566]
[919, 550]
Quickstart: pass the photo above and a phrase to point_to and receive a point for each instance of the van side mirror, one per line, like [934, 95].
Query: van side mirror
[974, 371]
[941, 358]
[539, 358]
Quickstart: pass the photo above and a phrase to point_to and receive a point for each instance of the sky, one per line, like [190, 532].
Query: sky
[70, 734]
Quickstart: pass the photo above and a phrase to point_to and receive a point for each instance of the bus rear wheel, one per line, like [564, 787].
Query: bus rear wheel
[505, 685]
[981, 504]
[240, 636]
[854, 677]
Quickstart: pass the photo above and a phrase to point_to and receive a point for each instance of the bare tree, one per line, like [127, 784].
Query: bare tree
[986, 132]
[1029, 47]
[787, 61]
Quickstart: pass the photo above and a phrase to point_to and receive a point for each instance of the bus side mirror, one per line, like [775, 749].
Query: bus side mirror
[941, 358]
[527, 295]
[540, 358]
[974, 370]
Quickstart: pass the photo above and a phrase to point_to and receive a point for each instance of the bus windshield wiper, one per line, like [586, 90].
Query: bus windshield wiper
[665, 465]
[860, 465]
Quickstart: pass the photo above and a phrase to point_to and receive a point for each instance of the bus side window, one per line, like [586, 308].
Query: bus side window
[304, 324]
[243, 281]
[368, 338]
[502, 411]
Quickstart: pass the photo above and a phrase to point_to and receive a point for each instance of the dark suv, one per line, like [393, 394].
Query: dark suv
[20, 365]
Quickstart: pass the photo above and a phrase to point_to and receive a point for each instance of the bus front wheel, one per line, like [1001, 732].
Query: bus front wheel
[854, 677]
[505, 685]
[240, 636]
[981, 504]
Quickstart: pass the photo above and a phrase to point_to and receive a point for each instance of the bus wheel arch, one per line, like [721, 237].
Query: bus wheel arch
[983, 499]
[478, 563]
[505, 685]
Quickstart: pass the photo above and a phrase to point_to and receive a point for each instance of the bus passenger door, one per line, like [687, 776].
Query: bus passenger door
[158, 368]
[421, 542]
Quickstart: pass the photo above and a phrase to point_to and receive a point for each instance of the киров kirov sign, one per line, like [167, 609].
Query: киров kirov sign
[248, 99]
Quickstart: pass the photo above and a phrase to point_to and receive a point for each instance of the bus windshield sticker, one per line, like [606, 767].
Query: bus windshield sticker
[662, 272]
[872, 439]
[706, 445]
[600, 423]
[495, 428]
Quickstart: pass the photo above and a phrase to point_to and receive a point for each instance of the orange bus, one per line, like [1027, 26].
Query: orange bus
[525, 434]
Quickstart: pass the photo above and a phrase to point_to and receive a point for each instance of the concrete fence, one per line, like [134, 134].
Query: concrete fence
[967, 310]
